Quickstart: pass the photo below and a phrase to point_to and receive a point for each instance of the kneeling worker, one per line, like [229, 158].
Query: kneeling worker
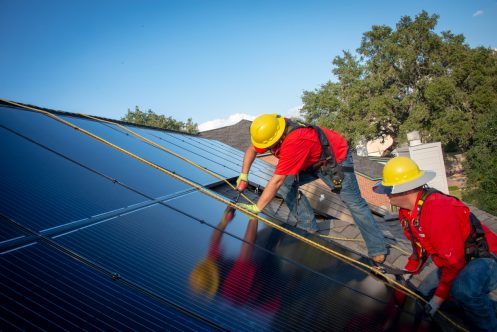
[443, 227]
[306, 153]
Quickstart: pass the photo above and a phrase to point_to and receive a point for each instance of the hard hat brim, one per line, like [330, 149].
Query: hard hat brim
[426, 177]
[276, 138]
[204, 278]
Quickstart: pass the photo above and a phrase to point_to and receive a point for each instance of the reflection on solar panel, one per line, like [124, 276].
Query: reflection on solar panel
[94, 239]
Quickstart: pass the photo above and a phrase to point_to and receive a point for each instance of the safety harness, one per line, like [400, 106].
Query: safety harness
[418, 252]
[475, 246]
[327, 163]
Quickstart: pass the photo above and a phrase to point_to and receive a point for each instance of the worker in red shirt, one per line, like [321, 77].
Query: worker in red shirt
[443, 227]
[306, 153]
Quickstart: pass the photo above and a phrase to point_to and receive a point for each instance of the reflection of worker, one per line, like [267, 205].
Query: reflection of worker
[204, 279]
[305, 154]
[442, 226]
[238, 282]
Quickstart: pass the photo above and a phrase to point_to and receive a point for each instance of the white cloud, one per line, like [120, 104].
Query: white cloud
[234, 118]
[230, 120]
[478, 13]
[293, 112]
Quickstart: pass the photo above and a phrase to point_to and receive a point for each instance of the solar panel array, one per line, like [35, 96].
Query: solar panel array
[91, 238]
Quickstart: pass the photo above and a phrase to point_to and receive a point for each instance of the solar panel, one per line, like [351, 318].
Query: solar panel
[42, 189]
[148, 248]
[10, 234]
[87, 151]
[227, 154]
[105, 242]
[144, 150]
[194, 151]
[43, 288]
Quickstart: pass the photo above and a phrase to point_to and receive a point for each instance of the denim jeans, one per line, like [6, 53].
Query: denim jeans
[299, 204]
[470, 291]
[350, 195]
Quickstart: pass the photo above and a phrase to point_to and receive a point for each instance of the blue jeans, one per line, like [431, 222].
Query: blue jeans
[350, 195]
[470, 291]
[299, 204]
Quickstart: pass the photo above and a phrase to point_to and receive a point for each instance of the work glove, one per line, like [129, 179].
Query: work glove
[431, 308]
[228, 215]
[250, 207]
[242, 182]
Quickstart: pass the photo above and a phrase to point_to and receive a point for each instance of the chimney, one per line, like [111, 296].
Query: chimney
[414, 138]
[361, 148]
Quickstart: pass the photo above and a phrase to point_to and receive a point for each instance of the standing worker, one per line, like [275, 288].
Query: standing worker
[441, 226]
[306, 153]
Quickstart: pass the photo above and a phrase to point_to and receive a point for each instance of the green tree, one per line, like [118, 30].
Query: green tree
[152, 119]
[481, 161]
[401, 80]
[412, 78]
[481, 165]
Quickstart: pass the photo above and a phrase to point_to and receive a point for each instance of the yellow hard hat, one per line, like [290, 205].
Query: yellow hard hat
[204, 278]
[401, 174]
[266, 130]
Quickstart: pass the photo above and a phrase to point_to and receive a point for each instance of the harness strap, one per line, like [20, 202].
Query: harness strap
[413, 243]
[327, 156]
[476, 245]
[421, 260]
[347, 169]
[327, 163]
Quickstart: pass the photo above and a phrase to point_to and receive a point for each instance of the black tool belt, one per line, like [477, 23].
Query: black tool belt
[336, 174]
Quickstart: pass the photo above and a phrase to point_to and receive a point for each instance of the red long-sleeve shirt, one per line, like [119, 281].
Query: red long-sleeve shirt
[443, 227]
[302, 149]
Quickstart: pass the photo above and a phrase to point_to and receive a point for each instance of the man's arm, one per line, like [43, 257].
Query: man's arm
[248, 159]
[271, 189]
[445, 235]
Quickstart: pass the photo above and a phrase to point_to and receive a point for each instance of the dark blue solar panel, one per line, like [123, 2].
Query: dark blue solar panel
[41, 189]
[144, 150]
[9, 232]
[260, 171]
[180, 144]
[80, 147]
[262, 287]
[45, 289]
[215, 156]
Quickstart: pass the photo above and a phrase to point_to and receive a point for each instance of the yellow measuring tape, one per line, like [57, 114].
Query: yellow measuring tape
[357, 264]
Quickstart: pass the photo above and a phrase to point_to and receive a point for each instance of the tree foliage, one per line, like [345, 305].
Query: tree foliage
[152, 119]
[412, 78]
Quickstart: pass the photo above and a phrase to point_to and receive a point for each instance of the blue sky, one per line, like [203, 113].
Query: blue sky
[207, 60]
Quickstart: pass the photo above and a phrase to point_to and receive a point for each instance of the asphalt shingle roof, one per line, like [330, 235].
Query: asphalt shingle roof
[237, 135]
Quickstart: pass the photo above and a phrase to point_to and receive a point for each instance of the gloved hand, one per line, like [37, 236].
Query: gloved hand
[228, 215]
[242, 182]
[251, 207]
[431, 307]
